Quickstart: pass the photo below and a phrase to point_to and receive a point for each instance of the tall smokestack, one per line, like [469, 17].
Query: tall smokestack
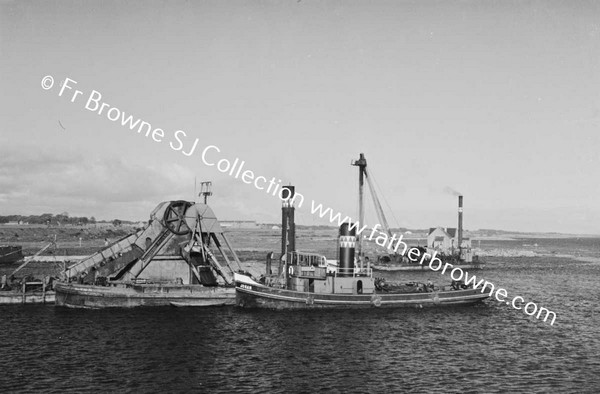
[288, 227]
[460, 226]
[347, 243]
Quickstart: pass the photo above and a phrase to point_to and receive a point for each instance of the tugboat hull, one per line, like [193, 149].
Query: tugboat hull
[254, 295]
[131, 295]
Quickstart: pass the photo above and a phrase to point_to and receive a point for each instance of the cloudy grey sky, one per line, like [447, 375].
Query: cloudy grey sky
[497, 99]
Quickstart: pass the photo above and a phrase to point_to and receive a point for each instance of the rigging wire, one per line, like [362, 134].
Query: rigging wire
[385, 199]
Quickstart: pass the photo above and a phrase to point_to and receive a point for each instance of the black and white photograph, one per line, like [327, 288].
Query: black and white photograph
[299, 196]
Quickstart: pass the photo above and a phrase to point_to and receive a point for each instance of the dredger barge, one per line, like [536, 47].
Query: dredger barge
[170, 262]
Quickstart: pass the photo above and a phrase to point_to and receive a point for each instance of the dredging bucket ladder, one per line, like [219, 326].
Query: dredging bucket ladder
[98, 259]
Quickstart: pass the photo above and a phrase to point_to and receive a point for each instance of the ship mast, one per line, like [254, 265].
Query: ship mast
[361, 163]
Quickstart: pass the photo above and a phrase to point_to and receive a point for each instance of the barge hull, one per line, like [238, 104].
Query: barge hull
[17, 297]
[97, 297]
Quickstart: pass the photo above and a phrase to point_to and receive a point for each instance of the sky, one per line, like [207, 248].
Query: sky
[498, 100]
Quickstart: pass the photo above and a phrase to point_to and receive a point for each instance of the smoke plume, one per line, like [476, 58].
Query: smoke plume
[451, 191]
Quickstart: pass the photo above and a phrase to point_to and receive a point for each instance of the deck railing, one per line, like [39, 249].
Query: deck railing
[307, 259]
[354, 272]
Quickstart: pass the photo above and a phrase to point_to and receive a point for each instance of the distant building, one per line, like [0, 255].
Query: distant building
[445, 239]
[16, 222]
[441, 238]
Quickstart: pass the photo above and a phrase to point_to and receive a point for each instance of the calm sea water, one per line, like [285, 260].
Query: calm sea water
[488, 348]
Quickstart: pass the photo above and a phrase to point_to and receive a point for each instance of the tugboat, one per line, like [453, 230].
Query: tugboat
[170, 262]
[303, 280]
[303, 283]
